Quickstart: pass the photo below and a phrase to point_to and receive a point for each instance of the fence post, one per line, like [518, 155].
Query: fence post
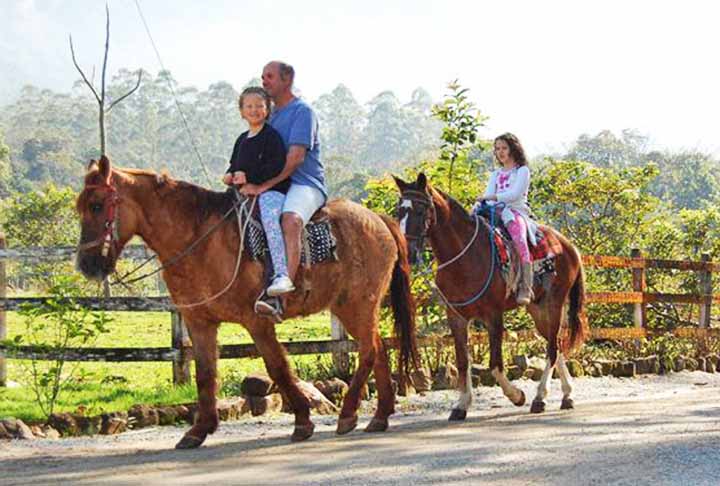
[706, 291]
[3, 322]
[341, 359]
[181, 364]
[638, 281]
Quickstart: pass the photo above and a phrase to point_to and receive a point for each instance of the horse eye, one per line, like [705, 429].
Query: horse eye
[95, 208]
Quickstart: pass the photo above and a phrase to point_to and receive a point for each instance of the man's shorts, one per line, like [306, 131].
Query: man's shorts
[303, 201]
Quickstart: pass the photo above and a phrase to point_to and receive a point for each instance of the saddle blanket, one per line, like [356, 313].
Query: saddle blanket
[542, 254]
[317, 241]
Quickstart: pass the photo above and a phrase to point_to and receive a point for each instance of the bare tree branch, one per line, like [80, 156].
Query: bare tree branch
[128, 93]
[89, 84]
[107, 47]
[102, 89]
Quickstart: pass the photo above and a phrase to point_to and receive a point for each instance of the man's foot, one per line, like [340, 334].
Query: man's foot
[269, 307]
[280, 285]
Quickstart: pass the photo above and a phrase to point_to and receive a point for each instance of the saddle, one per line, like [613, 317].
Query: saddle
[542, 253]
[318, 242]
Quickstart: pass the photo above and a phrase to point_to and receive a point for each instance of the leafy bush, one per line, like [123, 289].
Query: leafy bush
[57, 323]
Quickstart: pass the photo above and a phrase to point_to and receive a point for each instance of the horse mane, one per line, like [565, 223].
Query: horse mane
[188, 198]
[453, 208]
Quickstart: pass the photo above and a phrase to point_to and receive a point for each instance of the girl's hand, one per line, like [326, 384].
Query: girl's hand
[251, 190]
[227, 179]
[239, 178]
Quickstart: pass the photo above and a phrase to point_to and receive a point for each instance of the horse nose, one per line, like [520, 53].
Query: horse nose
[91, 266]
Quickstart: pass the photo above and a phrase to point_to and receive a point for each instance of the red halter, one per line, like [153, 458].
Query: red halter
[109, 237]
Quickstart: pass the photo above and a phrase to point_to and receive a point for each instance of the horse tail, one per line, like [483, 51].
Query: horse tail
[403, 304]
[577, 319]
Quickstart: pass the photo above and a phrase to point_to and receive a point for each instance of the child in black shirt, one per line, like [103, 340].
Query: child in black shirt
[259, 155]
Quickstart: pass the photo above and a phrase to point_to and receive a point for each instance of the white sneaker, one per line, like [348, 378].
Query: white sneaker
[280, 285]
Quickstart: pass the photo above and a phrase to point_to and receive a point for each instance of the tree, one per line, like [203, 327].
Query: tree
[604, 211]
[689, 179]
[5, 169]
[101, 98]
[607, 150]
[41, 218]
[342, 120]
[387, 136]
[461, 122]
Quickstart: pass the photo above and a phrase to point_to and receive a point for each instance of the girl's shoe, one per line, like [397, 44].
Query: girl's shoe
[280, 285]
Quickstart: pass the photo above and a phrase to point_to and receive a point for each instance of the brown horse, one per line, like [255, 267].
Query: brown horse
[170, 216]
[475, 289]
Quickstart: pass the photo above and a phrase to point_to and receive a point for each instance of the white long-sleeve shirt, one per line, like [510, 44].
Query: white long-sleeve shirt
[511, 188]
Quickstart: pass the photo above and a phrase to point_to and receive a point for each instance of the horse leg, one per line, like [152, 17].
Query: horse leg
[386, 396]
[495, 333]
[538, 404]
[361, 322]
[278, 367]
[567, 402]
[459, 329]
[366, 360]
[204, 345]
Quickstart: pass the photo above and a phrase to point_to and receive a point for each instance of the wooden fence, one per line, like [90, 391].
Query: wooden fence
[180, 352]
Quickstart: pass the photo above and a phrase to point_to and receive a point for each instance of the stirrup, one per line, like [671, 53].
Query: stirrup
[270, 307]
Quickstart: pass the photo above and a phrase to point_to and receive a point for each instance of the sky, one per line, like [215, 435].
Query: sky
[548, 71]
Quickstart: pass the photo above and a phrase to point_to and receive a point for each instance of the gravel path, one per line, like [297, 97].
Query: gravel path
[650, 430]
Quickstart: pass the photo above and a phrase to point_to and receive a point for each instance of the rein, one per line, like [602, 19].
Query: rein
[491, 272]
[239, 207]
[425, 200]
[110, 239]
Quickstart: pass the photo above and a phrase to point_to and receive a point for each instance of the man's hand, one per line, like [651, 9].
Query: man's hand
[251, 190]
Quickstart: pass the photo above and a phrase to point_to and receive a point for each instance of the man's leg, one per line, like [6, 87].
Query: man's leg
[292, 226]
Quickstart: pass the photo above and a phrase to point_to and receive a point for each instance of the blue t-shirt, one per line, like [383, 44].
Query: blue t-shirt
[297, 124]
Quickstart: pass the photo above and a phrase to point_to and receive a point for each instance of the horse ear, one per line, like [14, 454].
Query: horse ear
[421, 181]
[105, 168]
[91, 164]
[402, 185]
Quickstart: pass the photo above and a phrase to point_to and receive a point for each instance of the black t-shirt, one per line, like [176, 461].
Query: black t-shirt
[261, 157]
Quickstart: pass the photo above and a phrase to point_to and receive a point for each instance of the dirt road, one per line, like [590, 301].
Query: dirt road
[654, 430]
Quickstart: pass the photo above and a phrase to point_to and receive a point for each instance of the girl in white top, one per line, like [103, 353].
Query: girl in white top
[509, 185]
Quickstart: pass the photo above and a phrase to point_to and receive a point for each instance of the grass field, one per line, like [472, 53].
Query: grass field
[117, 386]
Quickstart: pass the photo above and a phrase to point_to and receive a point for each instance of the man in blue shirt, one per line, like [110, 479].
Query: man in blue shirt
[297, 124]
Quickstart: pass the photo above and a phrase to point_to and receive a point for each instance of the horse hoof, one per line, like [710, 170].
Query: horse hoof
[538, 406]
[189, 442]
[346, 425]
[302, 432]
[377, 425]
[567, 404]
[457, 415]
[521, 401]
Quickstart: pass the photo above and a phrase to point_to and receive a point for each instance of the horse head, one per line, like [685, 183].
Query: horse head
[102, 237]
[416, 213]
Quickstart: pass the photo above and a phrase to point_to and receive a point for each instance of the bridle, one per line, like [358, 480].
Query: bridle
[409, 199]
[425, 201]
[109, 237]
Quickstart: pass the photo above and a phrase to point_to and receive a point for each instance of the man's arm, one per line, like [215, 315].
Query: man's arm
[295, 157]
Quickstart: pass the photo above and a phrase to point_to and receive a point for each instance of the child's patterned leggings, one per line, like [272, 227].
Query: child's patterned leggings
[518, 232]
[271, 204]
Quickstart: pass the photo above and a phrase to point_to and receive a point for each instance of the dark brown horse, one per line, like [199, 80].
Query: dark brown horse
[476, 289]
[170, 216]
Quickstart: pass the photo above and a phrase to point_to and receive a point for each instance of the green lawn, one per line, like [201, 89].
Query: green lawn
[117, 386]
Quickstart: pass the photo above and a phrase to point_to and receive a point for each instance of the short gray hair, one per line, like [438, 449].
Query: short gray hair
[286, 71]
